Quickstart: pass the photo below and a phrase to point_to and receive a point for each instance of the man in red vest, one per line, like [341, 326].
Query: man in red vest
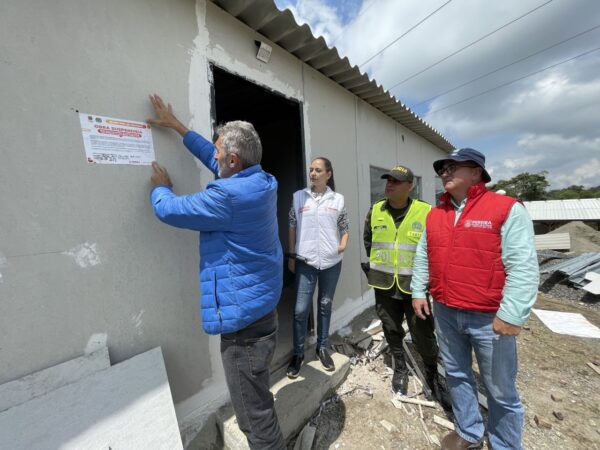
[478, 257]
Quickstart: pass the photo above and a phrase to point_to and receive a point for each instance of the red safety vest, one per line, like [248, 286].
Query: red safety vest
[465, 260]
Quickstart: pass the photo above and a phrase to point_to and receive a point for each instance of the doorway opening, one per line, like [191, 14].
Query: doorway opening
[278, 122]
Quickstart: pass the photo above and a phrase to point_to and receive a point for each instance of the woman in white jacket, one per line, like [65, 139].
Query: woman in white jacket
[318, 235]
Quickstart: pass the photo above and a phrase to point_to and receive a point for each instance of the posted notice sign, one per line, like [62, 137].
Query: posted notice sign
[116, 141]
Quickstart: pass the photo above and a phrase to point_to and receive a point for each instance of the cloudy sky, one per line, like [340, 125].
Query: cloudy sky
[538, 110]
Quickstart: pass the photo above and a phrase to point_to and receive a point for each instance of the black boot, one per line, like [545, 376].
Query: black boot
[325, 358]
[439, 387]
[400, 377]
[430, 379]
[294, 368]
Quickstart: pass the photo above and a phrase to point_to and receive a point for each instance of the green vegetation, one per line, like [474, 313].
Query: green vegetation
[534, 186]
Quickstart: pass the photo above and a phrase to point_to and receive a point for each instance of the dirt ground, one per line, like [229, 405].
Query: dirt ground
[549, 365]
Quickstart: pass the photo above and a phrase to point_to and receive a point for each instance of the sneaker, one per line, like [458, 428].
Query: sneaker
[452, 441]
[325, 358]
[294, 368]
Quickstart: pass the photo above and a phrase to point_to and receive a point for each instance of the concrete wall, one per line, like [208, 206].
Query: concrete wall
[82, 259]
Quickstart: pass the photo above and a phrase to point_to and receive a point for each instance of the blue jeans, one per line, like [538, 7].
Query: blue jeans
[459, 332]
[306, 281]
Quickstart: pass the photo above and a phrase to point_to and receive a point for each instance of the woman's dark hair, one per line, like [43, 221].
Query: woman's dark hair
[328, 168]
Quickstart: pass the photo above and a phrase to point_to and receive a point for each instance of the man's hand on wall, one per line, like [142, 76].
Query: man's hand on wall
[165, 116]
[160, 177]
[421, 307]
[504, 328]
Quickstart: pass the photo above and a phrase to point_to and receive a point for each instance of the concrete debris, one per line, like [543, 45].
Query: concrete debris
[389, 427]
[365, 343]
[361, 388]
[378, 336]
[414, 401]
[556, 397]
[443, 422]
[542, 423]
[374, 327]
[558, 415]
[306, 437]
[377, 349]
[594, 367]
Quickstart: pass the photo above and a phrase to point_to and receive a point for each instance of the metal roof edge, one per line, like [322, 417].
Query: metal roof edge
[265, 18]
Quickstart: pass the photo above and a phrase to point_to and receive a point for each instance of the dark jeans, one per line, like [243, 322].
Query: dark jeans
[306, 281]
[392, 311]
[246, 356]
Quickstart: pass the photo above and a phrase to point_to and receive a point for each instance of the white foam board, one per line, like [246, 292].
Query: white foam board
[127, 406]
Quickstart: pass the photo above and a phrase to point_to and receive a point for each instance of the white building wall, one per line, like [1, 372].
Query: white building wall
[136, 285]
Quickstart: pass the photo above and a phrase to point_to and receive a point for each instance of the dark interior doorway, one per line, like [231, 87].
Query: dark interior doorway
[278, 121]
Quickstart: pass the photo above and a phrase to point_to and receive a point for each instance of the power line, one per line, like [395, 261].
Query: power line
[513, 81]
[469, 45]
[403, 34]
[357, 16]
[504, 67]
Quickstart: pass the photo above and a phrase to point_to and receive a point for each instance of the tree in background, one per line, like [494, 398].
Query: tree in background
[575, 191]
[532, 186]
[525, 186]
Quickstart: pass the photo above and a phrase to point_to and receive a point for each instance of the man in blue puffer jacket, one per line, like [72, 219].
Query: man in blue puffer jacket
[241, 261]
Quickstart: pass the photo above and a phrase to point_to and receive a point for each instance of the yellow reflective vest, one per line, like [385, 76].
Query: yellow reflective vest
[393, 249]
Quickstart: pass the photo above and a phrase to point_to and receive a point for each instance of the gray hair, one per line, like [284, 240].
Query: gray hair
[241, 138]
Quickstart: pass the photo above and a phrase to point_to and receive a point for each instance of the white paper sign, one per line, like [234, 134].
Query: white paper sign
[573, 324]
[116, 141]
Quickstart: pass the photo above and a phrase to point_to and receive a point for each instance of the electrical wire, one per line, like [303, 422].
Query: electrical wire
[504, 67]
[469, 45]
[512, 81]
[403, 34]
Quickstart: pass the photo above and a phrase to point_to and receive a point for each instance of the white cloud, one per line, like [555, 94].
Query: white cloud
[322, 18]
[568, 160]
[549, 120]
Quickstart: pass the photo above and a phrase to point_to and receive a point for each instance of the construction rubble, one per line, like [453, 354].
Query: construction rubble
[573, 276]
[558, 379]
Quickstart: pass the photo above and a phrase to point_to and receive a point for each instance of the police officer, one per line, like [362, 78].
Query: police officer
[393, 228]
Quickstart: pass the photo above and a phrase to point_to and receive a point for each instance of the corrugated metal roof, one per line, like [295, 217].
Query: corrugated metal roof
[578, 278]
[574, 265]
[553, 241]
[564, 210]
[281, 28]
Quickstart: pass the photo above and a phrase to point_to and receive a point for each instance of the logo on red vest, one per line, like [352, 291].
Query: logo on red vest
[487, 224]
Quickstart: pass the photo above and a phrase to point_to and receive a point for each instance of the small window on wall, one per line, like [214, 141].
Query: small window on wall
[417, 191]
[378, 185]
[439, 190]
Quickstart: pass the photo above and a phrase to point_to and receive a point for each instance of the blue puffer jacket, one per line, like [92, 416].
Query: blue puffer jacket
[241, 261]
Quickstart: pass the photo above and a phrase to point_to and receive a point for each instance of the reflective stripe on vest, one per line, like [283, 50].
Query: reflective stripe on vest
[393, 250]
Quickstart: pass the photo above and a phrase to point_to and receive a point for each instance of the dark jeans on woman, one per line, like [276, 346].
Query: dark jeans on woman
[307, 278]
[246, 355]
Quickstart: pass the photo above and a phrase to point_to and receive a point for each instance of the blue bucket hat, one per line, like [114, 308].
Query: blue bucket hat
[465, 154]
